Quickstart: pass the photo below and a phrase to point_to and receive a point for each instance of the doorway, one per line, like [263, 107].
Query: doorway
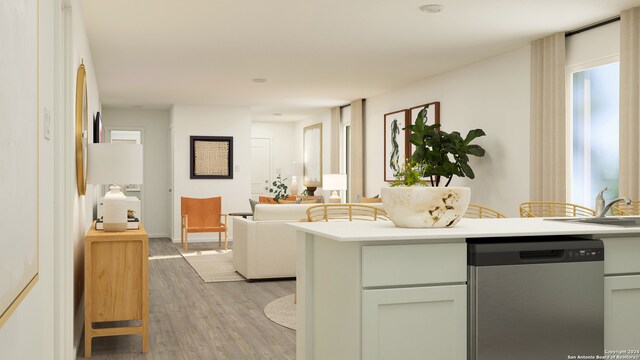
[126, 136]
[260, 167]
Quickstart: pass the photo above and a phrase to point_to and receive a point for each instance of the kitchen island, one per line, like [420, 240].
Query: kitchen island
[370, 290]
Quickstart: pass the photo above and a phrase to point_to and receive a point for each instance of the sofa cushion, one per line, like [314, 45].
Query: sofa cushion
[291, 212]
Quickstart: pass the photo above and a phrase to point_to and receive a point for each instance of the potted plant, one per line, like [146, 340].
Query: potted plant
[438, 155]
[444, 154]
[279, 189]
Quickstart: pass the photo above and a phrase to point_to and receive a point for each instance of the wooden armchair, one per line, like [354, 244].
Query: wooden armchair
[202, 215]
[554, 209]
[475, 211]
[349, 212]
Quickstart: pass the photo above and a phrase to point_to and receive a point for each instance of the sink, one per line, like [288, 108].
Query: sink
[627, 221]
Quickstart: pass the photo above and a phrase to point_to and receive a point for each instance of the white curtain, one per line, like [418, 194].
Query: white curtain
[335, 141]
[356, 167]
[630, 103]
[548, 120]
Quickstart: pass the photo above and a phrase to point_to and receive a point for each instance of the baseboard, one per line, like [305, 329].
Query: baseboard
[78, 325]
[158, 235]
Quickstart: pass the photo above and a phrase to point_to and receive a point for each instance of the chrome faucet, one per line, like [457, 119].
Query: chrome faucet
[609, 205]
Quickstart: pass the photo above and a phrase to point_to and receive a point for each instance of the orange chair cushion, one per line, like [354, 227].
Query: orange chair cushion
[202, 213]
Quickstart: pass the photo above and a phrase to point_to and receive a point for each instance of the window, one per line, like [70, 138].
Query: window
[594, 106]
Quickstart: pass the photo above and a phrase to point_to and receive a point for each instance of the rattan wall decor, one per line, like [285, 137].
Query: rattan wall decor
[211, 157]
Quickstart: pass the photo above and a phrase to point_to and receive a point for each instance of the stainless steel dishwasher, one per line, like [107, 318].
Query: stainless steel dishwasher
[535, 298]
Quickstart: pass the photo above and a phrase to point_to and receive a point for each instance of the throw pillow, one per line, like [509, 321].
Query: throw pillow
[253, 204]
[267, 200]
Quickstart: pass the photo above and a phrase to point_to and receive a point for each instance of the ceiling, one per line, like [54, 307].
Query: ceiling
[314, 54]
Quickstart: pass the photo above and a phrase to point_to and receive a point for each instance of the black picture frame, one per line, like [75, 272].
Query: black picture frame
[97, 128]
[203, 159]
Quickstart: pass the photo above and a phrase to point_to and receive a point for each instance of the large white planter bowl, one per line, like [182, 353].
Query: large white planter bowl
[424, 207]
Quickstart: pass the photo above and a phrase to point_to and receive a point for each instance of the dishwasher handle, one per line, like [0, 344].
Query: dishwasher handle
[541, 254]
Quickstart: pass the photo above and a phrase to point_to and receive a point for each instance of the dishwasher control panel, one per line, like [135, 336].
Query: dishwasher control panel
[586, 254]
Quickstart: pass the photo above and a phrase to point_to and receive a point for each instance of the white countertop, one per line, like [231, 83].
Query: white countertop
[466, 228]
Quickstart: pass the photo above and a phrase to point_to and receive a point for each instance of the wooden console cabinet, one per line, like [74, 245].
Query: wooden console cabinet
[116, 284]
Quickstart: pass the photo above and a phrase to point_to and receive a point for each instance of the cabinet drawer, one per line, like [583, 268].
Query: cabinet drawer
[392, 265]
[621, 255]
[415, 323]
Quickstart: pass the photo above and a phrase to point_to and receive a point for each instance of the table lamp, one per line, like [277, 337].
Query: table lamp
[114, 164]
[296, 168]
[334, 182]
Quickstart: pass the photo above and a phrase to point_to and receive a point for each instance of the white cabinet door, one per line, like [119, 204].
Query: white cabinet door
[622, 312]
[415, 323]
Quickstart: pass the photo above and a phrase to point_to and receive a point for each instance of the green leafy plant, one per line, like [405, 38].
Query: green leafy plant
[443, 154]
[279, 189]
[409, 174]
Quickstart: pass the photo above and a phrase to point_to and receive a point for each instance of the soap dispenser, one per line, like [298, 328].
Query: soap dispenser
[600, 202]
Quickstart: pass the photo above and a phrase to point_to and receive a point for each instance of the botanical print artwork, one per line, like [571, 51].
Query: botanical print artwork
[395, 143]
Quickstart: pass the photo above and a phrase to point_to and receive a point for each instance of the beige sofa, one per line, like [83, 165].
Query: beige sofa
[265, 247]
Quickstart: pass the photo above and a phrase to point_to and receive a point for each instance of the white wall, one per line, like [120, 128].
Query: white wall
[594, 44]
[154, 125]
[281, 135]
[82, 215]
[188, 120]
[325, 119]
[492, 95]
[29, 331]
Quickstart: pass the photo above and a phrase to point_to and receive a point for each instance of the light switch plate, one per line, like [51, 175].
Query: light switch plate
[46, 123]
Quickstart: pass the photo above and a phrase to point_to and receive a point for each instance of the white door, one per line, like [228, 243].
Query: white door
[260, 167]
[415, 323]
[622, 313]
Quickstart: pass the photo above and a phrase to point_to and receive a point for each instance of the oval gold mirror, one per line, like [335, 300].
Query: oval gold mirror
[81, 130]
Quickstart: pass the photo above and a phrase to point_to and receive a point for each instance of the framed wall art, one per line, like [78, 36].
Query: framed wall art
[396, 142]
[19, 154]
[312, 155]
[211, 157]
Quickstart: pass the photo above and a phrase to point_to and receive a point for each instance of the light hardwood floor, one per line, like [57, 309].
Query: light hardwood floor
[190, 319]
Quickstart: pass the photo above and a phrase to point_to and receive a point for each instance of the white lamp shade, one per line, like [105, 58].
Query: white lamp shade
[114, 163]
[334, 181]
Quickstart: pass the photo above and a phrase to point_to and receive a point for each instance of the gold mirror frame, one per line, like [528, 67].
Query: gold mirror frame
[82, 119]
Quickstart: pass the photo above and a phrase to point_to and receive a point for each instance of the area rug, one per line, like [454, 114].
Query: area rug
[213, 265]
[282, 311]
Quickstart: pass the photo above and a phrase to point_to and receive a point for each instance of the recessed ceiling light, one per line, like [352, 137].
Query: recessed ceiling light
[259, 80]
[431, 8]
